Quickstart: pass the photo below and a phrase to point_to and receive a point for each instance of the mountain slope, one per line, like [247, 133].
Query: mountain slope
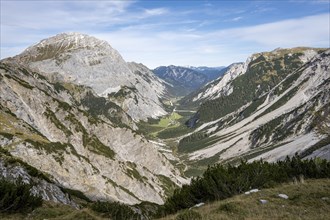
[270, 110]
[85, 60]
[81, 141]
[307, 200]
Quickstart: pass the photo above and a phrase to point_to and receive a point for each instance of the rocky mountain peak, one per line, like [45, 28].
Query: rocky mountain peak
[85, 60]
[65, 43]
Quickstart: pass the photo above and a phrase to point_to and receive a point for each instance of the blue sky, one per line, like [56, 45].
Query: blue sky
[183, 32]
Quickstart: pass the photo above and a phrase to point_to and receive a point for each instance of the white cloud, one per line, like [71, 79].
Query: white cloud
[155, 36]
[306, 31]
[237, 19]
[216, 48]
[156, 11]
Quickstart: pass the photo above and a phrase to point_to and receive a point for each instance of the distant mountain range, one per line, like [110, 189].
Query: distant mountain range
[184, 80]
[211, 72]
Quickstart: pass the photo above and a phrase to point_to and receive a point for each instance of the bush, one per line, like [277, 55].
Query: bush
[230, 208]
[75, 193]
[189, 215]
[223, 181]
[17, 197]
[115, 210]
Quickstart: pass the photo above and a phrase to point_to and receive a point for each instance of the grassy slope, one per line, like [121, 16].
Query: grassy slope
[54, 211]
[307, 200]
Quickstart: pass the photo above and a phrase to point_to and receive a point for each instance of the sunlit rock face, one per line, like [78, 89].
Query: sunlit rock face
[86, 60]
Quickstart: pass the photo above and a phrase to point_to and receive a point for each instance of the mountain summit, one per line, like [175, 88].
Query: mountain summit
[54, 47]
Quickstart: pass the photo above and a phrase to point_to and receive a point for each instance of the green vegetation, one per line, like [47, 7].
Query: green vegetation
[189, 215]
[167, 185]
[119, 186]
[284, 99]
[51, 210]
[280, 102]
[200, 140]
[76, 193]
[283, 126]
[263, 74]
[115, 210]
[308, 199]
[16, 197]
[220, 182]
[224, 181]
[8, 159]
[173, 132]
[101, 106]
[250, 109]
[57, 149]
[123, 92]
[324, 142]
[20, 81]
[170, 126]
[63, 105]
[78, 126]
[52, 117]
[59, 87]
[50, 147]
[7, 135]
[95, 145]
[133, 173]
[196, 141]
[91, 141]
[32, 171]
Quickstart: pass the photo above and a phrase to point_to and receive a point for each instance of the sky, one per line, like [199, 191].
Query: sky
[169, 32]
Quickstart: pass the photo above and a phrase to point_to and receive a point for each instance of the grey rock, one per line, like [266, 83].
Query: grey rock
[263, 201]
[48, 191]
[75, 148]
[283, 196]
[251, 191]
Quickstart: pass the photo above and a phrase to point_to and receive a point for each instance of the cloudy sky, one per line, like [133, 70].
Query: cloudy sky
[160, 32]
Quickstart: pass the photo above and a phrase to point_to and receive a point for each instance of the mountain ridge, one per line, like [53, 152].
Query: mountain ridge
[184, 80]
[269, 120]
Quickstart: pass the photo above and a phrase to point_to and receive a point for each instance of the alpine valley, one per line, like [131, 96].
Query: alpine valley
[78, 122]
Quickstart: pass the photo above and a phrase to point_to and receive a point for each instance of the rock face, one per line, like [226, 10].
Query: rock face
[85, 60]
[266, 108]
[50, 126]
[47, 190]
